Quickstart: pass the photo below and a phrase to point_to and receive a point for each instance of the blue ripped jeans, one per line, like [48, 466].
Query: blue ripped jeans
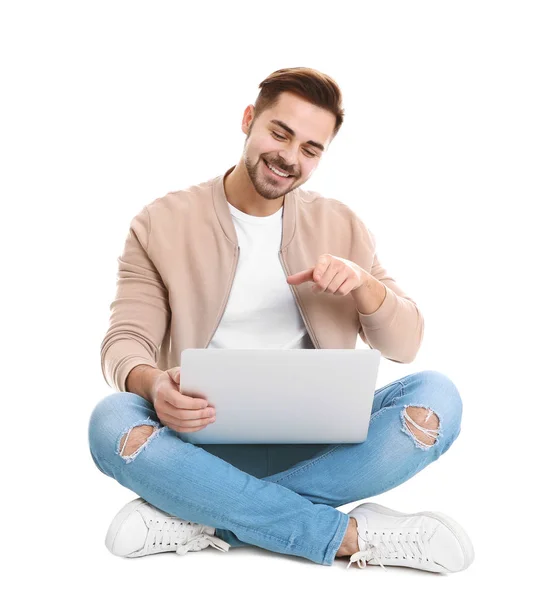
[281, 497]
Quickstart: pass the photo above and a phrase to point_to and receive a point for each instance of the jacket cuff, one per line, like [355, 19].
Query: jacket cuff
[118, 362]
[384, 315]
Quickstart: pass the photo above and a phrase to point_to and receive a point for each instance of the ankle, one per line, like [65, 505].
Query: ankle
[349, 544]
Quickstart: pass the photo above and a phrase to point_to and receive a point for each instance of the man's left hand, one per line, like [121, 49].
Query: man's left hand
[333, 275]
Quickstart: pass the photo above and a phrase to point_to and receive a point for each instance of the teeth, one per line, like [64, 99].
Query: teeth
[280, 173]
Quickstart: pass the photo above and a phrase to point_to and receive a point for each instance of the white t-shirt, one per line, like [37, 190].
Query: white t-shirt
[261, 311]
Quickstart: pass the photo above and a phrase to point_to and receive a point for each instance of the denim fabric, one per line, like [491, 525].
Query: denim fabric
[281, 497]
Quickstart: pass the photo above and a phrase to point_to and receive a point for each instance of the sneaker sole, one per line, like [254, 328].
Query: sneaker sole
[459, 532]
[117, 522]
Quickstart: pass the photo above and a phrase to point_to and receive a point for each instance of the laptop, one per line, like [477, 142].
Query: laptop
[281, 396]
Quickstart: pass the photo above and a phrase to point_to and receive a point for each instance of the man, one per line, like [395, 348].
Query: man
[248, 259]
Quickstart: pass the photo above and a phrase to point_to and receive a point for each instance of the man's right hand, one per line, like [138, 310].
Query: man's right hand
[174, 409]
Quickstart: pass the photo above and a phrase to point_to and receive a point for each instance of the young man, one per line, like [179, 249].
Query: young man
[248, 260]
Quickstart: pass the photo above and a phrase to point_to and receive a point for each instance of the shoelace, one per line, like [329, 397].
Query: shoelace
[172, 533]
[383, 546]
[194, 543]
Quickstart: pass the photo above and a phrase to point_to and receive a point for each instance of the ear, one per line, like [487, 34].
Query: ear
[247, 118]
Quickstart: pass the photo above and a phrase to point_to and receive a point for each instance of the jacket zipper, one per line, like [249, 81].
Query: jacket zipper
[235, 263]
[307, 326]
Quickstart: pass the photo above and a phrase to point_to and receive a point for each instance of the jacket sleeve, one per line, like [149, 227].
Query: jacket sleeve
[140, 311]
[396, 328]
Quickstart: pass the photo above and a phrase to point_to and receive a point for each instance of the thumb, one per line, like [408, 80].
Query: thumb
[175, 373]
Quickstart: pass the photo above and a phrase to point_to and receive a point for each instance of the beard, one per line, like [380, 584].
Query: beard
[269, 187]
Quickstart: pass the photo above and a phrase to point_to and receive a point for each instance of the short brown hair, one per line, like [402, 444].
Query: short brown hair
[310, 84]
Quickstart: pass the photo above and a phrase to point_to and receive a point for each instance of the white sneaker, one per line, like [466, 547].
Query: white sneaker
[140, 529]
[431, 541]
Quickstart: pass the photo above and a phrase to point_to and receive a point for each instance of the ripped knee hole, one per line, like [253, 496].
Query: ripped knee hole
[134, 439]
[423, 423]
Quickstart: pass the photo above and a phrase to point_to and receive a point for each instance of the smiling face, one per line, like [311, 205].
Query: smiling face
[291, 136]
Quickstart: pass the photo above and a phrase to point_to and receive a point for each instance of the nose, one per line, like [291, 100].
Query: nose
[289, 157]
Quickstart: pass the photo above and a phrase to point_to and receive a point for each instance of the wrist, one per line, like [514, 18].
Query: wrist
[140, 381]
[370, 295]
[366, 283]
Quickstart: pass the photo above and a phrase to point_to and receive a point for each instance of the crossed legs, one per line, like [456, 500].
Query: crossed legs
[426, 420]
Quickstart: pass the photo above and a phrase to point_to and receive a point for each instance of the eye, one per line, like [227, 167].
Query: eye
[280, 137]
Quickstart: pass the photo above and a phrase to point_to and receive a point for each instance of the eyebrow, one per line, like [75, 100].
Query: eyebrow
[291, 131]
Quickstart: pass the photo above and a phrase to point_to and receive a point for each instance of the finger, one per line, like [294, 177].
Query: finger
[324, 282]
[172, 422]
[345, 288]
[321, 272]
[185, 414]
[195, 423]
[336, 282]
[175, 374]
[301, 277]
[323, 264]
[187, 429]
[183, 401]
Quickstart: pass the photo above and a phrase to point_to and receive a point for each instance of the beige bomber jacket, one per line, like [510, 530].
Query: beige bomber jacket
[179, 261]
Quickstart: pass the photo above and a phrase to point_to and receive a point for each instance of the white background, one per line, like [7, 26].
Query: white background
[106, 106]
